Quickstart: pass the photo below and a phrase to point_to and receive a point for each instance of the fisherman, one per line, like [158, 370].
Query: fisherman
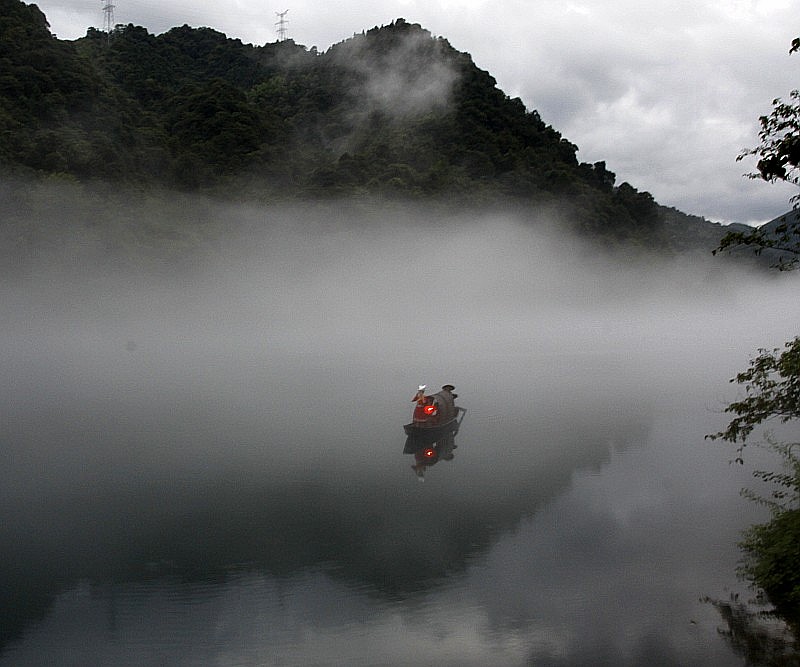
[445, 401]
[449, 389]
[425, 409]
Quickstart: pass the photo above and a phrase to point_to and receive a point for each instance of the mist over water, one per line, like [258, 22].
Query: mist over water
[226, 425]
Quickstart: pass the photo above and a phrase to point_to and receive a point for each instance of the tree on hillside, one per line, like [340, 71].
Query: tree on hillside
[772, 549]
[772, 389]
[778, 160]
[772, 386]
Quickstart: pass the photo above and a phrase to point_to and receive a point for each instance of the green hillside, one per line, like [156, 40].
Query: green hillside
[392, 113]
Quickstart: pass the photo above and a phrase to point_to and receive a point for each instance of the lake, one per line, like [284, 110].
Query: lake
[205, 466]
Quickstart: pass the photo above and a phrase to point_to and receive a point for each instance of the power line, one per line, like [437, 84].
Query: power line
[282, 30]
[108, 18]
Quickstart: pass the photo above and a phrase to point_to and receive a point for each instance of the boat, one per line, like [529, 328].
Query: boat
[436, 416]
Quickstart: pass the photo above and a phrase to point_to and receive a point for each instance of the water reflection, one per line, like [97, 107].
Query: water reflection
[756, 633]
[607, 571]
[111, 503]
[428, 455]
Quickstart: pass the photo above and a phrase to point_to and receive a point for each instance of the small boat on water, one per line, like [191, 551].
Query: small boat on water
[432, 431]
[435, 416]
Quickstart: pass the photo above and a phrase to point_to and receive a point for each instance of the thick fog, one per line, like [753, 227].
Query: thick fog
[295, 338]
[237, 394]
[292, 317]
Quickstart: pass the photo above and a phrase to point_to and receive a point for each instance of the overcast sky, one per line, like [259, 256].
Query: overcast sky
[667, 93]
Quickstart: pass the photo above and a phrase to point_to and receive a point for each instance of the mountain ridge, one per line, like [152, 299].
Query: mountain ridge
[391, 113]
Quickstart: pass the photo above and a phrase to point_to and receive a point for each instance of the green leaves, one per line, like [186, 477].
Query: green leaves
[772, 392]
[779, 151]
[778, 157]
[783, 240]
[216, 124]
[772, 388]
[773, 561]
[772, 381]
[772, 549]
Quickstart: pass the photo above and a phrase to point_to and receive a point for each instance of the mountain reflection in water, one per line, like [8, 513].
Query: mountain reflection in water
[321, 525]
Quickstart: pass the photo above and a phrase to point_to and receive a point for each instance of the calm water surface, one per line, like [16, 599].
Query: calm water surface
[212, 472]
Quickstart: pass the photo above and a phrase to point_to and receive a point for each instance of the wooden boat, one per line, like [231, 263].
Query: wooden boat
[435, 417]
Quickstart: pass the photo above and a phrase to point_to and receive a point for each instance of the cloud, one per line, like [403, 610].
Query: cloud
[666, 95]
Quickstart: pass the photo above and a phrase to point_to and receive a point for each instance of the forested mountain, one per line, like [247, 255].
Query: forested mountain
[392, 112]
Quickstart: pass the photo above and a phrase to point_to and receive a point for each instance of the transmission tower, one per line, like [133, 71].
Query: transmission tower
[108, 18]
[281, 23]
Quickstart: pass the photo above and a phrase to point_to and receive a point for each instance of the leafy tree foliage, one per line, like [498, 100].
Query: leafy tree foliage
[772, 390]
[781, 242]
[779, 151]
[778, 156]
[772, 386]
[214, 124]
[773, 562]
[44, 85]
